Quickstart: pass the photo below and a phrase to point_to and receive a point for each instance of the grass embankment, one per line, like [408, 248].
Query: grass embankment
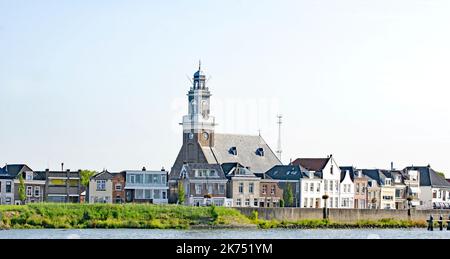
[161, 217]
[117, 216]
[322, 224]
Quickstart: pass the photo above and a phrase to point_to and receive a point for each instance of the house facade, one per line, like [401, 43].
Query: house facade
[34, 183]
[6, 189]
[118, 187]
[8, 175]
[412, 181]
[360, 182]
[243, 187]
[270, 193]
[434, 189]
[289, 175]
[330, 173]
[62, 186]
[347, 190]
[101, 188]
[204, 185]
[146, 186]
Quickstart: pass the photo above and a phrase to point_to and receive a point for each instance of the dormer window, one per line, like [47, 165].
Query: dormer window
[260, 151]
[29, 176]
[388, 181]
[233, 151]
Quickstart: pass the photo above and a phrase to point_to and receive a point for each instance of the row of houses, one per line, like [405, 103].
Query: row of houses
[39, 186]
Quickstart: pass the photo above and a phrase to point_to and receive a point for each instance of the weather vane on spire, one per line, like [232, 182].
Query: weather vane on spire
[199, 64]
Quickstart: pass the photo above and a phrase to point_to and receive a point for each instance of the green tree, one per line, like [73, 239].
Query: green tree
[181, 193]
[86, 176]
[22, 195]
[288, 196]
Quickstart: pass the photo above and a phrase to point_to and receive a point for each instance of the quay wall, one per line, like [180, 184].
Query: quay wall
[343, 215]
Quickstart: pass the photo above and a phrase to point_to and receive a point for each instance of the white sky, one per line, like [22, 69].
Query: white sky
[102, 84]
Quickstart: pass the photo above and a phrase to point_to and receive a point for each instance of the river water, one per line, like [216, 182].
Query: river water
[224, 234]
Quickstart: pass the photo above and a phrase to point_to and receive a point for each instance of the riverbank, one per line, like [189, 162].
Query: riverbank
[143, 216]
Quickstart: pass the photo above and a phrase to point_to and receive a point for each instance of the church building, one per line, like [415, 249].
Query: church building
[201, 144]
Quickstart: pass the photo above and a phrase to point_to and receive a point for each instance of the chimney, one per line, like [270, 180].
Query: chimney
[62, 167]
[143, 169]
[392, 166]
[162, 169]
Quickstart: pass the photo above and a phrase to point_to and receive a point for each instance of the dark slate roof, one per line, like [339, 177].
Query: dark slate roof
[429, 177]
[15, 169]
[287, 172]
[105, 175]
[344, 170]
[247, 152]
[191, 167]
[375, 174]
[226, 167]
[312, 164]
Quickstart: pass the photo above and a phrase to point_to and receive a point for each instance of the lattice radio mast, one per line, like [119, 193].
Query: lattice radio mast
[279, 122]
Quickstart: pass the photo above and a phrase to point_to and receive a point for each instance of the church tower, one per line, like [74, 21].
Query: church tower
[198, 124]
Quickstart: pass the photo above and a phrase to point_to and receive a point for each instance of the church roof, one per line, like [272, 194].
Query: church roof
[249, 151]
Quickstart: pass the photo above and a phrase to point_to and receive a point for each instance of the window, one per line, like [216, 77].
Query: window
[398, 193]
[311, 187]
[264, 189]
[29, 176]
[311, 202]
[221, 188]
[434, 194]
[272, 190]
[388, 181]
[157, 194]
[260, 151]
[147, 179]
[212, 173]
[164, 195]
[389, 198]
[29, 191]
[318, 187]
[139, 194]
[163, 179]
[118, 187]
[357, 188]
[306, 187]
[8, 200]
[131, 178]
[101, 185]
[336, 185]
[247, 202]
[336, 201]
[198, 189]
[241, 187]
[331, 202]
[210, 188]
[37, 191]
[233, 151]
[8, 187]
[156, 179]
[326, 185]
[238, 202]
[251, 187]
[305, 203]
[255, 202]
[139, 179]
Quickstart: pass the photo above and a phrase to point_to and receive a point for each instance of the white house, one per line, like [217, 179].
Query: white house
[434, 189]
[146, 186]
[330, 174]
[100, 188]
[347, 191]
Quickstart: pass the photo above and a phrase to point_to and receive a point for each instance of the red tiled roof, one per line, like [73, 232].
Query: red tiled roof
[312, 164]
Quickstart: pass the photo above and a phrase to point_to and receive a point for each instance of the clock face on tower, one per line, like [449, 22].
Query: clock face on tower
[205, 135]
